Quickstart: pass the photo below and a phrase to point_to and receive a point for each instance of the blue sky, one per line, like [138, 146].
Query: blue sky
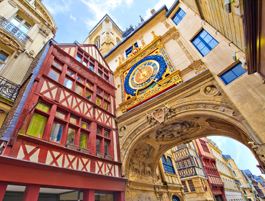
[75, 18]
[239, 152]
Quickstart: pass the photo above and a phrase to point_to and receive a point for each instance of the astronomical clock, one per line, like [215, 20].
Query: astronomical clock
[146, 73]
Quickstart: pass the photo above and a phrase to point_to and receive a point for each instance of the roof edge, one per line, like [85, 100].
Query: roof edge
[174, 5]
[136, 30]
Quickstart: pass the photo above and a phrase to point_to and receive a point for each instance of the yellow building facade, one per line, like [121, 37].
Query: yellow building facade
[191, 172]
[105, 35]
[232, 190]
[25, 27]
[246, 188]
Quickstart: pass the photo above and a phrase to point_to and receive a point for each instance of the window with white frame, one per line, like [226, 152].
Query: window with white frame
[20, 23]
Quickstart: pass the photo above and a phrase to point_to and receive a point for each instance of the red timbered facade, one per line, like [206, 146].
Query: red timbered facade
[209, 165]
[68, 122]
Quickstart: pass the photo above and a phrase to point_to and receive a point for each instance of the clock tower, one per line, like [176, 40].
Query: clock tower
[146, 73]
[105, 35]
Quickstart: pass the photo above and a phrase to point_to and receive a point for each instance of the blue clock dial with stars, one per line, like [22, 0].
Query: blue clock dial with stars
[144, 73]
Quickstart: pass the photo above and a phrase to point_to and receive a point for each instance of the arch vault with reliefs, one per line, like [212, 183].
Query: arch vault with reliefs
[180, 112]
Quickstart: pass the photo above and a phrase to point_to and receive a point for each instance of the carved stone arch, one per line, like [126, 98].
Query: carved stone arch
[204, 115]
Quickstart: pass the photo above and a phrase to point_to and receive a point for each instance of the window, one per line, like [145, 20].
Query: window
[230, 165]
[79, 58]
[204, 42]
[60, 115]
[79, 89]
[88, 95]
[167, 164]
[68, 83]
[204, 146]
[83, 141]
[57, 64]
[178, 16]
[3, 57]
[234, 173]
[54, 75]
[70, 136]
[91, 66]
[36, 126]
[185, 186]
[175, 198]
[117, 40]
[106, 148]
[103, 139]
[56, 134]
[84, 125]
[20, 24]
[97, 42]
[98, 145]
[191, 185]
[181, 146]
[98, 101]
[106, 133]
[129, 50]
[38, 120]
[232, 73]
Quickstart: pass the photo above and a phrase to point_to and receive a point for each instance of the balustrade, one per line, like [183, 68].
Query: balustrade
[13, 30]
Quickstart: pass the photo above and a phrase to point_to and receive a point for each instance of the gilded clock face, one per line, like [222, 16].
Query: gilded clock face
[144, 74]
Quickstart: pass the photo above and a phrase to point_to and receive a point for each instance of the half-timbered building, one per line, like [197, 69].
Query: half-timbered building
[65, 134]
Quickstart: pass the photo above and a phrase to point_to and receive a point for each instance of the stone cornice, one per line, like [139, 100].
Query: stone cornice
[49, 23]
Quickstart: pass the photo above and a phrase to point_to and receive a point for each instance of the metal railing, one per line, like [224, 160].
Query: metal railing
[8, 89]
[14, 30]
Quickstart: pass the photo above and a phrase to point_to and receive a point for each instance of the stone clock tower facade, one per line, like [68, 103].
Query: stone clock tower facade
[105, 35]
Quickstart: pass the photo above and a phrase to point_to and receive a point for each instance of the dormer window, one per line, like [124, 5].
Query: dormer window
[129, 50]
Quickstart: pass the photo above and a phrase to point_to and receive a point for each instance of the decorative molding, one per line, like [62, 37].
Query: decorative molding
[164, 21]
[12, 3]
[44, 30]
[11, 41]
[185, 50]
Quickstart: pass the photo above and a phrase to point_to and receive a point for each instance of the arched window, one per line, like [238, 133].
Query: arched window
[97, 42]
[117, 40]
[167, 165]
[175, 198]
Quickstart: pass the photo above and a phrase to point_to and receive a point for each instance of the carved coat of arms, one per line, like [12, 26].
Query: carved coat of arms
[159, 115]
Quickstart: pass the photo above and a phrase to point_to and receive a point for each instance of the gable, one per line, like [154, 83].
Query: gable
[94, 52]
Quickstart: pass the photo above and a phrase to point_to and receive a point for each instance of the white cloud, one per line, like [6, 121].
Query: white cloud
[100, 7]
[55, 7]
[157, 6]
[72, 17]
